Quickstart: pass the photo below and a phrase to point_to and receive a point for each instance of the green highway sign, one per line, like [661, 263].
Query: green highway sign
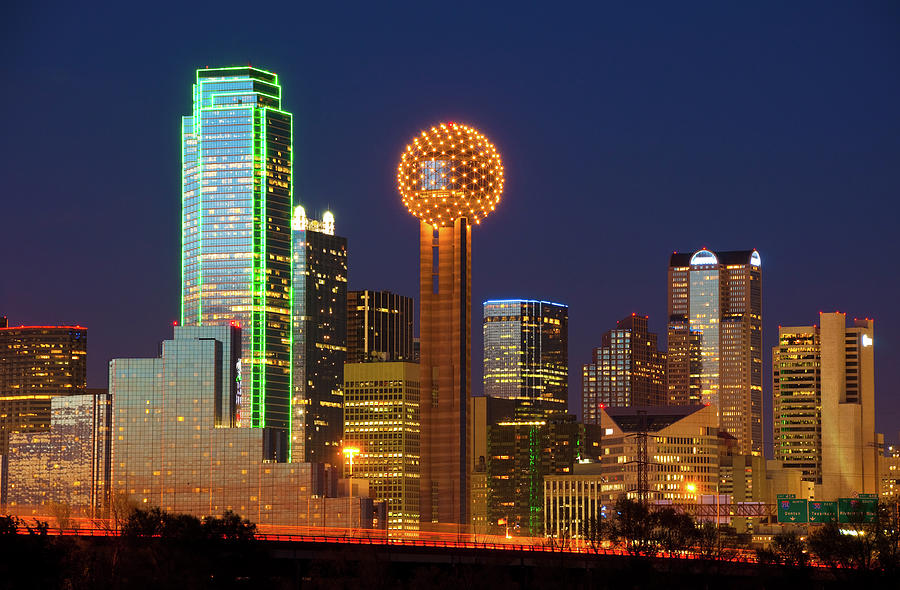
[792, 510]
[860, 509]
[780, 496]
[821, 512]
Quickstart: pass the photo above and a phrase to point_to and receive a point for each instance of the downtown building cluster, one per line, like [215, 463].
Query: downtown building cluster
[291, 400]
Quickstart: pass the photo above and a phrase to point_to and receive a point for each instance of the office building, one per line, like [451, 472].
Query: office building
[889, 473]
[36, 364]
[824, 405]
[627, 370]
[676, 448]
[526, 344]
[715, 338]
[381, 419]
[450, 177]
[236, 241]
[379, 327]
[171, 447]
[320, 338]
[67, 464]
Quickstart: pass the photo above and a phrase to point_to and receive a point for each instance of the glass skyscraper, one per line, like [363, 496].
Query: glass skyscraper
[319, 338]
[236, 238]
[715, 338]
[526, 350]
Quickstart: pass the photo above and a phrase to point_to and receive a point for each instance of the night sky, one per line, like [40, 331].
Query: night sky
[627, 132]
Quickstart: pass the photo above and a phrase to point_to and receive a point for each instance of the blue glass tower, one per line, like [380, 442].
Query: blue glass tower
[236, 234]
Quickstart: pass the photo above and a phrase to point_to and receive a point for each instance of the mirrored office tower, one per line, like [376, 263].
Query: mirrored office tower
[236, 247]
[320, 338]
[715, 339]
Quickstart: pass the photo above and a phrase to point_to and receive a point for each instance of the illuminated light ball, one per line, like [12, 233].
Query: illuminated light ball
[440, 185]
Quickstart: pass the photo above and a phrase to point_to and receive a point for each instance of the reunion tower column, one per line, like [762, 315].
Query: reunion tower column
[450, 177]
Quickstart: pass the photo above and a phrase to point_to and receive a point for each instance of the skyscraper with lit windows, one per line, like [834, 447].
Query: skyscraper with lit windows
[319, 326]
[715, 338]
[236, 239]
[526, 351]
[627, 370]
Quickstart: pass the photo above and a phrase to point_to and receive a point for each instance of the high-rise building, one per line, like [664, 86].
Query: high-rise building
[320, 338]
[67, 464]
[526, 351]
[715, 338]
[36, 364]
[627, 370]
[450, 177]
[381, 419]
[236, 241]
[170, 448]
[379, 327]
[824, 405]
[524, 443]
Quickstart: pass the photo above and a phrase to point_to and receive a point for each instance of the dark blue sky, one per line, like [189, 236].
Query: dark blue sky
[627, 132]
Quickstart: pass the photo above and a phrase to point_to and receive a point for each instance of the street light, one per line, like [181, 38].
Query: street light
[349, 453]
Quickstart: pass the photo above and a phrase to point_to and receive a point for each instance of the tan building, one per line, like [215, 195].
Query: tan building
[381, 419]
[683, 447]
[715, 338]
[824, 405]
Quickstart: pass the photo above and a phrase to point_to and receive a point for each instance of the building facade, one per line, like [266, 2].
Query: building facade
[319, 338]
[379, 327]
[38, 363]
[526, 351]
[66, 465]
[236, 244]
[797, 400]
[171, 450]
[715, 338]
[824, 405]
[627, 370]
[381, 419]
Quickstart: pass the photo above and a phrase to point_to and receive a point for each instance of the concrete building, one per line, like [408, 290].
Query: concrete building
[627, 370]
[174, 446]
[379, 327]
[66, 465]
[319, 332]
[381, 419]
[715, 338]
[824, 405]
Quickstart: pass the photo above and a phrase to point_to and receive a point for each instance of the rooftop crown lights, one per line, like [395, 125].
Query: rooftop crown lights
[704, 257]
[449, 172]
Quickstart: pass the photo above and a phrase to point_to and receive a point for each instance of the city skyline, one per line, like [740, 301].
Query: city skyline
[798, 281]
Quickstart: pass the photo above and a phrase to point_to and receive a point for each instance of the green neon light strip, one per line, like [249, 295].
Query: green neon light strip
[264, 197]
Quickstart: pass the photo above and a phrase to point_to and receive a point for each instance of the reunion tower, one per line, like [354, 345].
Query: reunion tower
[450, 177]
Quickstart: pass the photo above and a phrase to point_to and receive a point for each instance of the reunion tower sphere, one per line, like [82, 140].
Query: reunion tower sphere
[448, 172]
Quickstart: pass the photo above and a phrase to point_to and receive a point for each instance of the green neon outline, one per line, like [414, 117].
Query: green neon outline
[255, 386]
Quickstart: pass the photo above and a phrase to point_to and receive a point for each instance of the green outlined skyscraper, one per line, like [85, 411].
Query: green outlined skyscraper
[236, 234]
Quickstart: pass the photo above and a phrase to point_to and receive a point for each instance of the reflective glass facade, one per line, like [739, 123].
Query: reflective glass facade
[236, 248]
[381, 419]
[67, 464]
[715, 339]
[320, 338]
[526, 351]
[170, 451]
